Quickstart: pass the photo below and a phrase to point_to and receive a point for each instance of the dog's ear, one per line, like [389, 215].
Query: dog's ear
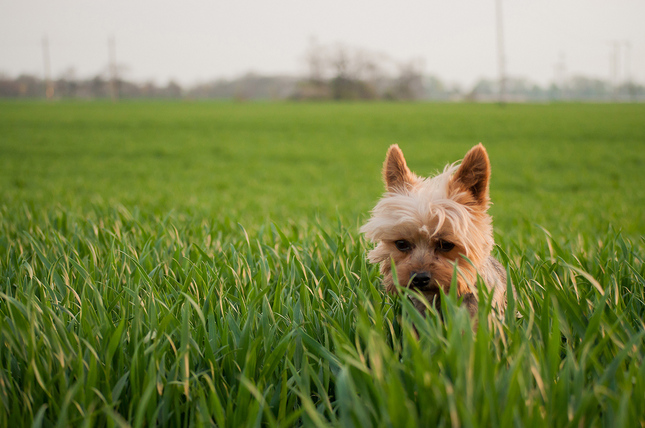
[396, 174]
[473, 174]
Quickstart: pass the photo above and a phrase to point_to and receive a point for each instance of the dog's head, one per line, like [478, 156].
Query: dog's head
[427, 225]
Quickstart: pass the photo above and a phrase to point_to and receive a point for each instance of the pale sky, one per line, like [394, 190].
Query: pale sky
[193, 40]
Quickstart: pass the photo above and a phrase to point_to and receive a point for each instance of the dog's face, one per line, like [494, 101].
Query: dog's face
[427, 225]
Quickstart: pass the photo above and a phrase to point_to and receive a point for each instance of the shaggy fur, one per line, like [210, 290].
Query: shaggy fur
[427, 225]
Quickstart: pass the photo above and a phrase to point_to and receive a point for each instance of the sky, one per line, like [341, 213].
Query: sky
[195, 41]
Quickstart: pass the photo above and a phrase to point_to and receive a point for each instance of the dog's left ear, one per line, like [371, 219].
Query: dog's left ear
[473, 174]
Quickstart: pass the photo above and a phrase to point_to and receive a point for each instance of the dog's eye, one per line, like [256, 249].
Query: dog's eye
[403, 245]
[444, 246]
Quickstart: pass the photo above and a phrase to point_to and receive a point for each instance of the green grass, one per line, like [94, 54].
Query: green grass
[199, 264]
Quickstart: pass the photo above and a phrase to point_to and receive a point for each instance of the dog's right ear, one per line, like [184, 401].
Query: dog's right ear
[396, 174]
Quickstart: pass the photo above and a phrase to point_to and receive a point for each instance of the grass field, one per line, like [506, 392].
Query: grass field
[200, 263]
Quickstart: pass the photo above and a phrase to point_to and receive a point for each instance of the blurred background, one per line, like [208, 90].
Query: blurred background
[495, 50]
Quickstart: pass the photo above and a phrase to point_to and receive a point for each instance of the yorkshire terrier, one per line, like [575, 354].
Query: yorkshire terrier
[427, 226]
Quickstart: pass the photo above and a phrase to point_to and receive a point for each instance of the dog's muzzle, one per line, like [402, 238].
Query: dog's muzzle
[420, 280]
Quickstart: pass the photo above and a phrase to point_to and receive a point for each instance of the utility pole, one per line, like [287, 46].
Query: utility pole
[114, 90]
[49, 85]
[560, 77]
[500, 53]
[614, 58]
[628, 75]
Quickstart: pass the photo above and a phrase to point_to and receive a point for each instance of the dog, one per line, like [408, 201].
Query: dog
[428, 226]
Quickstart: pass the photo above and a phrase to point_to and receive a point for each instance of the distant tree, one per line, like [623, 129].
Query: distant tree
[484, 90]
[30, 86]
[409, 84]
[434, 88]
[98, 87]
[585, 88]
[9, 88]
[350, 70]
[630, 91]
[173, 90]
[315, 59]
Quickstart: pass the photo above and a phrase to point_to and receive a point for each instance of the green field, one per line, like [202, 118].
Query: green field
[200, 263]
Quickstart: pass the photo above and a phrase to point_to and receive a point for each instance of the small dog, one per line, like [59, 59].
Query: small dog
[426, 226]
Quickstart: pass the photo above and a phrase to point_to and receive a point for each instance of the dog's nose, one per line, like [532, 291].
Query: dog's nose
[420, 279]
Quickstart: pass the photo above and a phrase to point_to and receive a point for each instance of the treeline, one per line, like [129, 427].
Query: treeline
[259, 87]
[27, 86]
[334, 72]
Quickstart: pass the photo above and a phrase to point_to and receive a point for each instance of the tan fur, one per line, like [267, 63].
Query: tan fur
[396, 174]
[429, 214]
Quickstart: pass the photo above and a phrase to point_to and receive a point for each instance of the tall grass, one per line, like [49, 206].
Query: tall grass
[123, 319]
[124, 307]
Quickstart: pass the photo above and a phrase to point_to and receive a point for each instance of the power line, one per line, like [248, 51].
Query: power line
[500, 53]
